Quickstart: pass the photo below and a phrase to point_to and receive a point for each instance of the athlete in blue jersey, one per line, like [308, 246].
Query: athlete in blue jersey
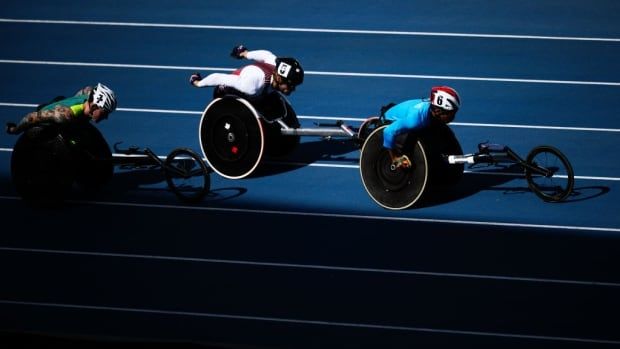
[416, 114]
[89, 103]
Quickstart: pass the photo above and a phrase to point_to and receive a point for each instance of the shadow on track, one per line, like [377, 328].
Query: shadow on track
[306, 153]
[587, 193]
[474, 182]
[152, 180]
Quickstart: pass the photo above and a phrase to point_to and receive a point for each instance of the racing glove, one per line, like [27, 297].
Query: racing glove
[401, 162]
[194, 77]
[237, 50]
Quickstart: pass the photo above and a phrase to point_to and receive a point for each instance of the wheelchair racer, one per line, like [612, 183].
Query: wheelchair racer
[266, 74]
[89, 103]
[416, 114]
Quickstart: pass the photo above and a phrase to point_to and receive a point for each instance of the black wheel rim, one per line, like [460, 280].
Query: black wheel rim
[557, 184]
[187, 175]
[231, 137]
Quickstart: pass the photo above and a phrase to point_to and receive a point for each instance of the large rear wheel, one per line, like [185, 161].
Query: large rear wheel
[394, 189]
[231, 137]
[42, 168]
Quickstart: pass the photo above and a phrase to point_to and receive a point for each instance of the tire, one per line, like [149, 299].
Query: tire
[559, 185]
[393, 189]
[270, 107]
[439, 140]
[277, 144]
[187, 175]
[42, 166]
[231, 136]
[94, 165]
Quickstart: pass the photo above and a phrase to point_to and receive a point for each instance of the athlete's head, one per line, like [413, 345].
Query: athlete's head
[288, 74]
[445, 102]
[102, 101]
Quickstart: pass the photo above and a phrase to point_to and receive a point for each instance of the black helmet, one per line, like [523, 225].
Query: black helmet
[290, 69]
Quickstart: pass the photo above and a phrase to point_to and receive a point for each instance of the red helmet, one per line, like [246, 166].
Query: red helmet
[445, 98]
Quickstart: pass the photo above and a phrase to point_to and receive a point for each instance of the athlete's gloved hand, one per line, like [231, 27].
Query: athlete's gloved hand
[10, 128]
[400, 162]
[194, 77]
[237, 51]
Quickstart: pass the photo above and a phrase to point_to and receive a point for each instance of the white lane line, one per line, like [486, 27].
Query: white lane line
[309, 322]
[353, 119]
[324, 73]
[311, 266]
[340, 215]
[594, 178]
[167, 111]
[542, 127]
[307, 30]
[328, 165]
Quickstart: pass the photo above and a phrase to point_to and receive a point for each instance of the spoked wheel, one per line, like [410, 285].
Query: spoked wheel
[393, 189]
[231, 137]
[187, 175]
[551, 177]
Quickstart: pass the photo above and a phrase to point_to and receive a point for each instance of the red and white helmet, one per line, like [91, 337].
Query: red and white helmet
[445, 98]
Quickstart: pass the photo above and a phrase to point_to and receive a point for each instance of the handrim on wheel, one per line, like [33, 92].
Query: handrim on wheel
[231, 137]
[393, 189]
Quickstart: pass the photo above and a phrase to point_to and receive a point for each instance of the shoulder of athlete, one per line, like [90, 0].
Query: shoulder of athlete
[84, 91]
[404, 109]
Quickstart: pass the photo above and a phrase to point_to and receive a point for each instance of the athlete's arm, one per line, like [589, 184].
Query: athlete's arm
[59, 114]
[250, 80]
[411, 121]
[261, 56]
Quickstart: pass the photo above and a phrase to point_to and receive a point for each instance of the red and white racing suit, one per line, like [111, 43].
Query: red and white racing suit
[253, 79]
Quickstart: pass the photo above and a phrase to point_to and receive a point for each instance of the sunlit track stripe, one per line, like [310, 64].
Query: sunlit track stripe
[321, 164]
[466, 78]
[114, 65]
[309, 322]
[325, 73]
[311, 266]
[308, 30]
[541, 127]
[354, 119]
[340, 215]
[562, 176]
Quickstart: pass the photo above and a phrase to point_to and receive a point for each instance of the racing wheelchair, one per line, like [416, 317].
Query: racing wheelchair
[237, 131]
[437, 159]
[48, 159]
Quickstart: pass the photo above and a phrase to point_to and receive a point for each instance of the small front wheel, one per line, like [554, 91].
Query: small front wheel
[549, 174]
[187, 175]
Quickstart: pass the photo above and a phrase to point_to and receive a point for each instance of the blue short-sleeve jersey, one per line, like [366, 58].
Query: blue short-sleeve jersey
[406, 116]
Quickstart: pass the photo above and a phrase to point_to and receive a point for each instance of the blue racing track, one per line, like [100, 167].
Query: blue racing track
[298, 255]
